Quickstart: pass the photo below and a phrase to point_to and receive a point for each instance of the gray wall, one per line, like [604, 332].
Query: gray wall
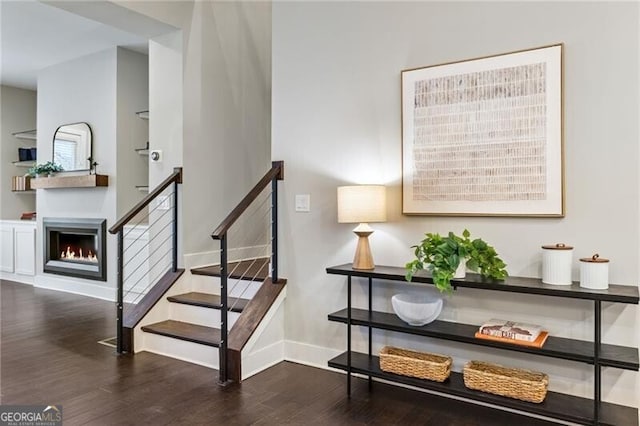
[18, 113]
[336, 121]
[132, 132]
[226, 99]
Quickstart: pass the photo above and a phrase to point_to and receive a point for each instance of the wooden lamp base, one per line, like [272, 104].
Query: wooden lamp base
[363, 260]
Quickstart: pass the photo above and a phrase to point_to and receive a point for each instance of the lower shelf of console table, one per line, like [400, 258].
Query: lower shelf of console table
[556, 405]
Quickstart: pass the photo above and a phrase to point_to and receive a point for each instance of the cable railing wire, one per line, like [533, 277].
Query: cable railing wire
[148, 228]
[149, 214]
[160, 258]
[148, 242]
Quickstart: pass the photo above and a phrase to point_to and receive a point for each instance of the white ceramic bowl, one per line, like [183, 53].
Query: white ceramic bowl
[416, 309]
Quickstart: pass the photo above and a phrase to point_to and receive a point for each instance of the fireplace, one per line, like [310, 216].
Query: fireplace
[76, 247]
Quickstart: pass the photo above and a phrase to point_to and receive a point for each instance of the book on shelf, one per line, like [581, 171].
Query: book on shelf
[511, 330]
[538, 343]
[28, 216]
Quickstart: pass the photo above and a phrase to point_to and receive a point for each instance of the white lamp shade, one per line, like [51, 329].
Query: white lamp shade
[362, 204]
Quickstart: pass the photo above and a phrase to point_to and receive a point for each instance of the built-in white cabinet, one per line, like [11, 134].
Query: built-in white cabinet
[25, 250]
[6, 248]
[18, 250]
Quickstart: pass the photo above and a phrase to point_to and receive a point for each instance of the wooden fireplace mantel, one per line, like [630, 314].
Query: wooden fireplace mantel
[84, 181]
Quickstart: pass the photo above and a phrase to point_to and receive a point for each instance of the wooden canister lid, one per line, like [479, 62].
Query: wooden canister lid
[558, 246]
[594, 259]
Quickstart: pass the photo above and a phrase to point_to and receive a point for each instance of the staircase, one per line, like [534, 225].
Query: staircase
[228, 315]
[195, 314]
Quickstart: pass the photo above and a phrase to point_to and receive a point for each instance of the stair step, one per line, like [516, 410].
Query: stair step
[208, 301]
[185, 331]
[249, 270]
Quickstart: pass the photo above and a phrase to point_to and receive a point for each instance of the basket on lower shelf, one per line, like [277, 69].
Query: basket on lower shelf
[415, 364]
[514, 383]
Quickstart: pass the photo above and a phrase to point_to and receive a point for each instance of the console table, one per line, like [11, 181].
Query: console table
[556, 405]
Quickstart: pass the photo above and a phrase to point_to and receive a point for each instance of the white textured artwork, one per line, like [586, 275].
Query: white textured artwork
[484, 136]
[481, 136]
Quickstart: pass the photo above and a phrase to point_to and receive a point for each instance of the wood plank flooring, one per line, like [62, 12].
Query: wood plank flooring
[50, 355]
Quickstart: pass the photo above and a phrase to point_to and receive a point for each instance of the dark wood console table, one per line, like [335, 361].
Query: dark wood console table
[556, 405]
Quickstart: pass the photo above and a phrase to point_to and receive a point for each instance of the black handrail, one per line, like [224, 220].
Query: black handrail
[272, 177]
[175, 177]
[276, 172]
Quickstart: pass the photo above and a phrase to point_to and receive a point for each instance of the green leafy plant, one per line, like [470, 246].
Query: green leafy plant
[442, 255]
[45, 169]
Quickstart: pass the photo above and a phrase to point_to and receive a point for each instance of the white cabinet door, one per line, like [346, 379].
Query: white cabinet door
[6, 248]
[25, 253]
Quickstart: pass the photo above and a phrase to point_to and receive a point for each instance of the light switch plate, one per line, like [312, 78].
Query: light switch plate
[303, 202]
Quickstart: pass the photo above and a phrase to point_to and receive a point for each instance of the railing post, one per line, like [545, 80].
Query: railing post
[274, 230]
[119, 302]
[223, 313]
[174, 260]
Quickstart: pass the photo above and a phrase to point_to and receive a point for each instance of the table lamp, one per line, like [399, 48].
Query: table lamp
[362, 204]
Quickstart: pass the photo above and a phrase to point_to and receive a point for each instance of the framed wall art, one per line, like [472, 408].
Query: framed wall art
[483, 137]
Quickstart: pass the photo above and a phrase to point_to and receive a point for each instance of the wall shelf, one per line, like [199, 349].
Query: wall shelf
[142, 188]
[142, 151]
[23, 163]
[143, 114]
[26, 134]
[84, 181]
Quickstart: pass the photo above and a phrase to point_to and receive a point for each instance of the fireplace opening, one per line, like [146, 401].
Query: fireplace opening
[75, 247]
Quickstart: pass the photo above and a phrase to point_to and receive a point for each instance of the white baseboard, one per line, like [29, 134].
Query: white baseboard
[17, 278]
[311, 355]
[68, 285]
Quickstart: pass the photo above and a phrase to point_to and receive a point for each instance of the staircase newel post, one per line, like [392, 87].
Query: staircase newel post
[223, 313]
[174, 260]
[119, 302]
[274, 230]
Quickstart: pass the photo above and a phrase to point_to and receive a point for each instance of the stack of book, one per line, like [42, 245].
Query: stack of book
[20, 183]
[513, 332]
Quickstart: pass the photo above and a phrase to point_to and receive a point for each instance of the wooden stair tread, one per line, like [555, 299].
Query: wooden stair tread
[249, 270]
[208, 301]
[186, 331]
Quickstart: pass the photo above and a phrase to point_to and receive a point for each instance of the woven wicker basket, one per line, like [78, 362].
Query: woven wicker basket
[415, 364]
[514, 383]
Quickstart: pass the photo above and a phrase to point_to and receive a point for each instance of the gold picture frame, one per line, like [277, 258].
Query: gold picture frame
[484, 136]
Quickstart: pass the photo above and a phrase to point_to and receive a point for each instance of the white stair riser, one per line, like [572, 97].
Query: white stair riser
[196, 353]
[199, 315]
[235, 287]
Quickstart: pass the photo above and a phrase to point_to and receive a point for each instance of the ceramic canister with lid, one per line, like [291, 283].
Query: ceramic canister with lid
[556, 264]
[594, 272]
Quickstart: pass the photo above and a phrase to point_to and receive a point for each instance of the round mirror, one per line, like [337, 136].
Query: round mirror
[72, 147]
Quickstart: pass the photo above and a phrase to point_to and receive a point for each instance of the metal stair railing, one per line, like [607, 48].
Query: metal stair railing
[147, 246]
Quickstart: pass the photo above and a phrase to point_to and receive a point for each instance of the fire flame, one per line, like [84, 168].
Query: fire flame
[70, 254]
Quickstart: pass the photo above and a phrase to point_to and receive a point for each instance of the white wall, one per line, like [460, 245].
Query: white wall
[18, 113]
[132, 131]
[336, 121]
[103, 89]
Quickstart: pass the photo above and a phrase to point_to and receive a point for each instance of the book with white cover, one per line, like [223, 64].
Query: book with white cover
[511, 330]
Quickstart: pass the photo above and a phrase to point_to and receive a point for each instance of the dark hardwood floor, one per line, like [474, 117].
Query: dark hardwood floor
[50, 355]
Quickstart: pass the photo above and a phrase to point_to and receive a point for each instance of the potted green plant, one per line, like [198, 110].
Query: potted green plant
[46, 169]
[442, 255]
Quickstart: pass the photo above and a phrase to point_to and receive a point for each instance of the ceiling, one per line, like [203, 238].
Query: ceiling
[34, 35]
